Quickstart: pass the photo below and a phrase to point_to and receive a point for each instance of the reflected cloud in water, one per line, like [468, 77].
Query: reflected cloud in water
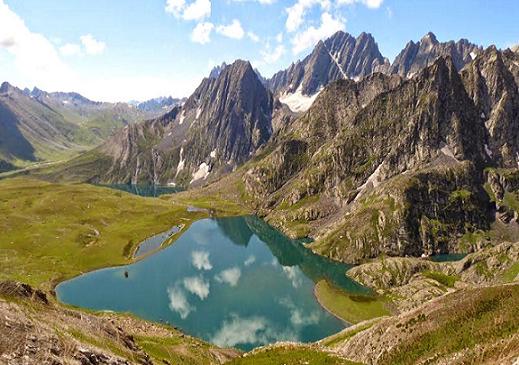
[178, 302]
[229, 276]
[250, 331]
[197, 285]
[200, 260]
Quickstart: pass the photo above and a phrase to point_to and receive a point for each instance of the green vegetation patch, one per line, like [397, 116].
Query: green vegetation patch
[175, 350]
[444, 279]
[51, 232]
[344, 336]
[512, 272]
[350, 308]
[478, 316]
[291, 355]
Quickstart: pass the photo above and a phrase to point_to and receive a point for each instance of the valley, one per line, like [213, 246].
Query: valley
[346, 210]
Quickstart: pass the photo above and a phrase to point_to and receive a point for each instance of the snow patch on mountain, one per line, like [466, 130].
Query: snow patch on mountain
[181, 162]
[297, 102]
[202, 172]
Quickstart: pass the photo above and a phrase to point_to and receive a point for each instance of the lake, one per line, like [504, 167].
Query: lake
[232, 281]
[143, 190]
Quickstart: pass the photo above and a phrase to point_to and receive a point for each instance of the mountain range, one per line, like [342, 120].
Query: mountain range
[413, 158]
[234, 127]
[37, 126]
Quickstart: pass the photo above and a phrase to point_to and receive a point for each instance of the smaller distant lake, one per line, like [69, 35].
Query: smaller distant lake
[144, 190]
[234, 282]
[448, 257]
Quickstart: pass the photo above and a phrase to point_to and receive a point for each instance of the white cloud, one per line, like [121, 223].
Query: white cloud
[91, 45]
[35, 57]
[309, 37]
[195, 10]
[200, 260]
[272, 55]
[279, 37]
[175, 7]
[233, 30]
[264, 2]
[70, 49]
[230, 276]
[197, 286]
[202, 33]
[250, 260]
[296, 13]
[253, 36]
[178, 302]
[373, 4]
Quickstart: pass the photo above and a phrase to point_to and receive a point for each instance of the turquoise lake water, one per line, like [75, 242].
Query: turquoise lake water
[144, 190]
[232, 281]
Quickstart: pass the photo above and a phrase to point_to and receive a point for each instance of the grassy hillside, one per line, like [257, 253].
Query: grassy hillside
[55, 231]
[476, 325]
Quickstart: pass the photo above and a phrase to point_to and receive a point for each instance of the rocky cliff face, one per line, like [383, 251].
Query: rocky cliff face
[219, 127]
[338, 57]
[415, 56]
[491, 81]
[387, 166]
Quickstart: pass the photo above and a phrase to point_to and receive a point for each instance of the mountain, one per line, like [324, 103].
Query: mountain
[415, 56]
[219, 127]
[215, 72]
[339, 57]
[398, 167]
[492, 82]
[158, 106]
[40, 126]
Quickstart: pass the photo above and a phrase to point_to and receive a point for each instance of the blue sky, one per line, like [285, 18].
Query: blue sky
[119, 50]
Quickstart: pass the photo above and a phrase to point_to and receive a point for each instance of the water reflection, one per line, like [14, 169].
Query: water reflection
[232, 281]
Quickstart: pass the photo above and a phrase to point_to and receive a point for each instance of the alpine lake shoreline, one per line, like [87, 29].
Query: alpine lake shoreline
[204, 208]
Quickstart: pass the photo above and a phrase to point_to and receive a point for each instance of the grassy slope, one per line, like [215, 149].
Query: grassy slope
[55, 231]
[351, 308]
[474, 325]
[290, 355]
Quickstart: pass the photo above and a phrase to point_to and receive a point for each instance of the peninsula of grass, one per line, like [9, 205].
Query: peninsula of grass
[51, 232]
[348, 307]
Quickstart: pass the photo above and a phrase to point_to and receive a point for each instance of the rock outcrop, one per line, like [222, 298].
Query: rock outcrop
[226, 120]
[416, 56]
[384, 166]
[34, 330]
[339, 57]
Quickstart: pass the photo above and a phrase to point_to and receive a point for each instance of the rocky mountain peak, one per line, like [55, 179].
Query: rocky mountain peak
[429, 38]
[416, 56]
[5, 87]
[341, 56]
[215, 72]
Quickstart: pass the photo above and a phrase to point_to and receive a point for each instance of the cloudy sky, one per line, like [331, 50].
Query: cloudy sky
[120, 50]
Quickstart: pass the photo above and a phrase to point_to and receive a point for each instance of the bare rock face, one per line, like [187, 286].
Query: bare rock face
[228, 118]
[339, 57]
[416, 56]
[492, 85]
[397, 161]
